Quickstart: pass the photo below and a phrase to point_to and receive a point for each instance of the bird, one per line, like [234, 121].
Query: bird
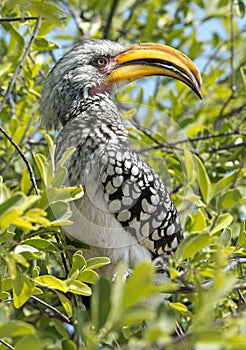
[126, 212]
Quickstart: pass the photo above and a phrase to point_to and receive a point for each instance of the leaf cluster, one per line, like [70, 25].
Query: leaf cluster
[50, 296]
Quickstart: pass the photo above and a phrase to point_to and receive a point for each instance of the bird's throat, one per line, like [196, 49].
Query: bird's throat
[99, 89]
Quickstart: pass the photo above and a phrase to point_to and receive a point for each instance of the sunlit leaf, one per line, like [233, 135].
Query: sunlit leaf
[16, 329]
[78, 287]
[191, 245]
[224, 220]
[51, 282]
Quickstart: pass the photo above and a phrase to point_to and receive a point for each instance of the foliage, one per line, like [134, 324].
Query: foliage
[197, 146]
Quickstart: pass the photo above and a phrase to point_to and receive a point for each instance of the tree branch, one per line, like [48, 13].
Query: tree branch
[59, 314]
[172, 145]
[18, 19]
[232, 39]
[6, 344]
[21, 63]
[223, 148]
[110, 19]
[22, 154]
[75, 15]
[6, 98]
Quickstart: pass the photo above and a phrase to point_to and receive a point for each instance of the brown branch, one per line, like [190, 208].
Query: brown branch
[30, 122]
[22, 154]
[75, 15]
[223, 148]
[124, 29]
[6, 344]
[238, 171]
[188, 288]
[172, 145]
[6, 98]
[58, 314]
[232, 39]
[21, 63]
[110, 19]
[18, 19]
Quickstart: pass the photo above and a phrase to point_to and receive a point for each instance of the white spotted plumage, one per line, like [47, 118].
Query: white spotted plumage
[126, 212]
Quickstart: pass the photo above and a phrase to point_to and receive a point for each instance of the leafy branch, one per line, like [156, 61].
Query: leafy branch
[173, 145]
[7, 95]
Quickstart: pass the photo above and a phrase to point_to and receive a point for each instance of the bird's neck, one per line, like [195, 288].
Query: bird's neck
[94, 124]
[89, 131]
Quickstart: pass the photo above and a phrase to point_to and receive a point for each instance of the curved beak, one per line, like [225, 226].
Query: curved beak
[141, 60]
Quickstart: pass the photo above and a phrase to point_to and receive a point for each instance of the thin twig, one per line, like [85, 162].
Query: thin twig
[20, 143]
[226, 147]
[23, 156]
[60, 315]
[238, 172]
[21, 63]
[125, 24]
[6, 344]
[75, 15]
[241, 297]
[6, 98]
[18, 19]
[172, 145]
[110, 19]
[233, 76]
[63, 257]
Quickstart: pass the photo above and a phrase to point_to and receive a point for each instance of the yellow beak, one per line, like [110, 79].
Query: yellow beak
[147, 59]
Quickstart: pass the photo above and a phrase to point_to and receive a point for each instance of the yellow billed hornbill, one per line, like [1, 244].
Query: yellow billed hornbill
[126, 212]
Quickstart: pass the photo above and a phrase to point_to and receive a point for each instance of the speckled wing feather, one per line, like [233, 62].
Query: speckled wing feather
[139, 200]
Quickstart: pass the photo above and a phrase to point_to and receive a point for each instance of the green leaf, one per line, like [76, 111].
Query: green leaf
[41, 44]
[26, 183]
[100, 305]
[41, 243]
[4, 191]
[78, 287]
[138, 315]
[189, 167]
[29, 342]
[199, 222]
[42, 164]
[51, 282]
[226, 181]
[16, 329]
[59, 213]
[95, 263]
[229, 199]
[22, 289]
[68, 344]
[139, 285]
[66, 155]
[67, 306]
[88, 276]
[183, 309]
[192, 245]
[239, 8]
[242, 235]
[203, 180]
[225, 237]
[223, 222]
[18, 201]
[14, 33]
[45, 9]
[78, 262]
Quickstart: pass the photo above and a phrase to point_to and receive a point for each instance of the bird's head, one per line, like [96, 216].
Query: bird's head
[95, 68]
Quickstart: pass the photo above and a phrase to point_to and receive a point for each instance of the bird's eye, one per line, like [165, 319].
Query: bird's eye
[101, 61]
